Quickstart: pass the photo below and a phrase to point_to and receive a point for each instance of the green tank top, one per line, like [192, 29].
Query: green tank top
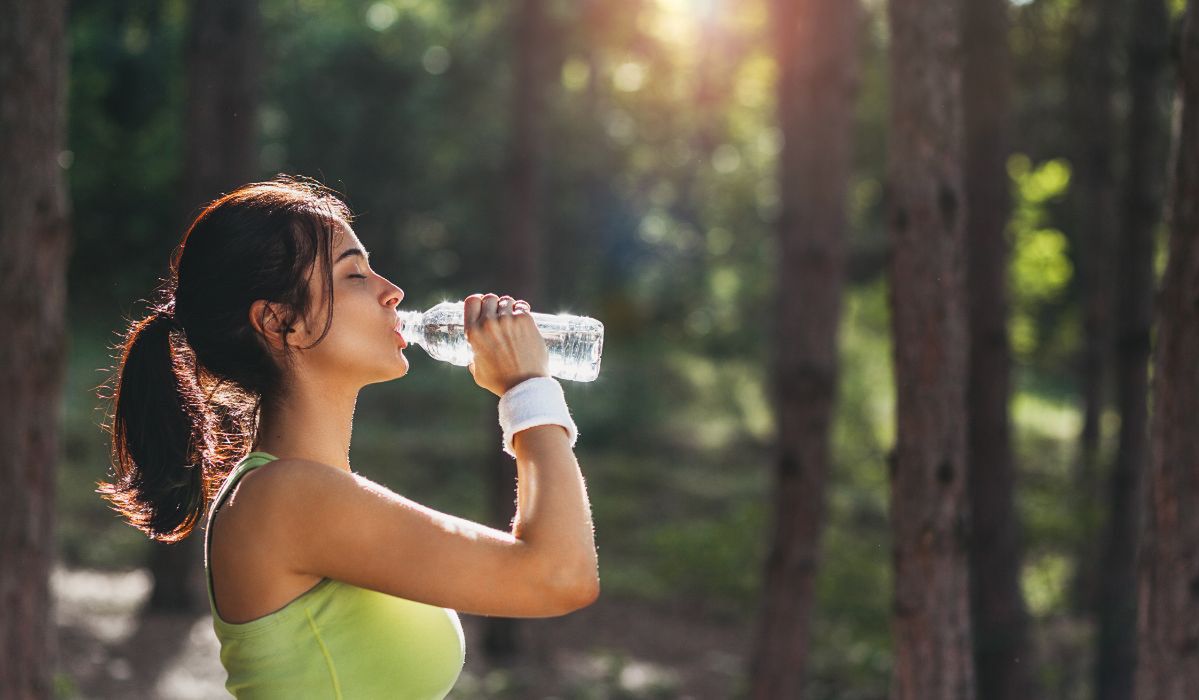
[336, 640]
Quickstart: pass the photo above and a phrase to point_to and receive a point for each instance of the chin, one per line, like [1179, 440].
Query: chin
[401, 370]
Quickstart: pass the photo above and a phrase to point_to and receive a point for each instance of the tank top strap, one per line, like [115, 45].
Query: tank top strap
[248, 464]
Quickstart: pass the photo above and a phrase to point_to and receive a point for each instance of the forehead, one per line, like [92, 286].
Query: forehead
[344, 237]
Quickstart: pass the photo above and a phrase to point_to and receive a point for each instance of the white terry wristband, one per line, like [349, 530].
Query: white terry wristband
[533, 402]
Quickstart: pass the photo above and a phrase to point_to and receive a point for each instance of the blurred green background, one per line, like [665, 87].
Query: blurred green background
[659, 194]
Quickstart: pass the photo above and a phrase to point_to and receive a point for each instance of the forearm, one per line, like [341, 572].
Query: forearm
[553, 514]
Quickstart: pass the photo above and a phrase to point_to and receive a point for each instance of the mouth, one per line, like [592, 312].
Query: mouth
[403, 343]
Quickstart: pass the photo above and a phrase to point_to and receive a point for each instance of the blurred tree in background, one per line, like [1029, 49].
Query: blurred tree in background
[816, 46]
[999, 616]
[35, 243]
[929, 471]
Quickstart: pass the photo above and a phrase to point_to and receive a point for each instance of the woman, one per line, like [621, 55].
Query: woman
[322, 583]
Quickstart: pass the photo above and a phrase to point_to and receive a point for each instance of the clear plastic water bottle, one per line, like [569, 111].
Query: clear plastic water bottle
[575, 343]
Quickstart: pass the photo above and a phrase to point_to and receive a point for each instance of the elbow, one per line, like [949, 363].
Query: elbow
[576, 593]
[580, 594]
[589, 593]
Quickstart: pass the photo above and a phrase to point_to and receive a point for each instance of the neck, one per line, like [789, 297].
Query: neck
[311, 422]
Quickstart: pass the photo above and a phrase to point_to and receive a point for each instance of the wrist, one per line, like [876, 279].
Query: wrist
[538, 433]
[538, 401]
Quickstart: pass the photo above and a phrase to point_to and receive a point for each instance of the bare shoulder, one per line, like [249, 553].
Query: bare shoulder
[271, 493]
[299, 482]
[291, 474]
[301, 499]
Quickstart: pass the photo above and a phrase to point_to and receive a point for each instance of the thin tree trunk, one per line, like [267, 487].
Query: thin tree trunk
[1003, 664]
[1094, 199]
[34, 247]
[1168, 569]
[816, 44]
[929, 470]
[1147, 151]
[519, 254]
[220, 153]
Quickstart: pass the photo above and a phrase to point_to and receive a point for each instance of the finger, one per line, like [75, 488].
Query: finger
[488, 307]
[504, 305]
[521, 305]
[470, 309]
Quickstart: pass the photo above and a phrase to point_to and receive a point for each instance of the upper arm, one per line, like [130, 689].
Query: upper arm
[341, 525]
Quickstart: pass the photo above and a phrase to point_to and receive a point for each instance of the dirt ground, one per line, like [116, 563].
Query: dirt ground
[613, 649]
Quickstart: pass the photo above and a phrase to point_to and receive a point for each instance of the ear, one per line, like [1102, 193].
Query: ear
[267, 318]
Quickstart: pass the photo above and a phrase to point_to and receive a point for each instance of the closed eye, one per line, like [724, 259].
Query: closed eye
[358, 276]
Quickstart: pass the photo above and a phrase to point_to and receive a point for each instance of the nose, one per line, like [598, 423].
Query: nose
[393, 296]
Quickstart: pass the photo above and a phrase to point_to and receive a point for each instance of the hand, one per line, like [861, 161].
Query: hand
[507, 347]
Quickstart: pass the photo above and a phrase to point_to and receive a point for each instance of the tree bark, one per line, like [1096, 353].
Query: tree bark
[929, 471]
[1094, 200]
[220, 153]
[34, 247]
[519, 255]
[1148, 144]
[1168, 570]
[1001, 655]
[223, 67]
[816, 44]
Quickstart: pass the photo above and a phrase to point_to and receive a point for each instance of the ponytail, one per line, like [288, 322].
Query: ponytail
[160, 485]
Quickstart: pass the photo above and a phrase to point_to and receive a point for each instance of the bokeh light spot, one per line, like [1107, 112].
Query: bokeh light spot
[576, 74]
[629, 77]
[436, 60]
[381, 15]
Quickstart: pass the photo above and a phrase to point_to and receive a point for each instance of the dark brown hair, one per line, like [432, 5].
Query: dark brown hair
[193, 375]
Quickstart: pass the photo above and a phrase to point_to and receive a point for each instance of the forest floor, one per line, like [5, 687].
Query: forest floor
[615, 648]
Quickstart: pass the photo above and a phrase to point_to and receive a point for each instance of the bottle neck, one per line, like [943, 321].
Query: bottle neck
[411, 327]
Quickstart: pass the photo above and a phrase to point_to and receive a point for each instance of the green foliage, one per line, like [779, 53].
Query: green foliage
[1040, 269]
[717, 557]
[124, 152]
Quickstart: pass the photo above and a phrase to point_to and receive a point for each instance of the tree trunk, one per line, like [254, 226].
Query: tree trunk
[221, 129]
[1093, 195]
[34, 247]
[1168, 570]
[929, 471]
[816, 44]
[1001, 656]
[518, 255]
[1147, 152]
[220, 153]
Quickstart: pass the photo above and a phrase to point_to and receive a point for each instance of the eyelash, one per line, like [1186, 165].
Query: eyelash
[358, 277]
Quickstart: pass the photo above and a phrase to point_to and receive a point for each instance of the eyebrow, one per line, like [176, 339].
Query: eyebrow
[353, 251]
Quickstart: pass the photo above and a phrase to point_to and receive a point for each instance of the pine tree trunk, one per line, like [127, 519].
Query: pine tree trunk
[1001, 656]
[34, 247]
[1168, 567]
[929, 472]
[1147, 153]
[1094, 198]
[220, 153]
[223, 67]
[519, 254]
[816, 43]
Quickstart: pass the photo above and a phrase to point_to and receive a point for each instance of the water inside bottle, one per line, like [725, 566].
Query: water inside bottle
[575, 343]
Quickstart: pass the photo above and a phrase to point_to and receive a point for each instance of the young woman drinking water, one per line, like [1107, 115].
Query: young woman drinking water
[234, 405]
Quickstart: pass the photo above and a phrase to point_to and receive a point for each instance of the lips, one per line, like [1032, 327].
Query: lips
[403, 343]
